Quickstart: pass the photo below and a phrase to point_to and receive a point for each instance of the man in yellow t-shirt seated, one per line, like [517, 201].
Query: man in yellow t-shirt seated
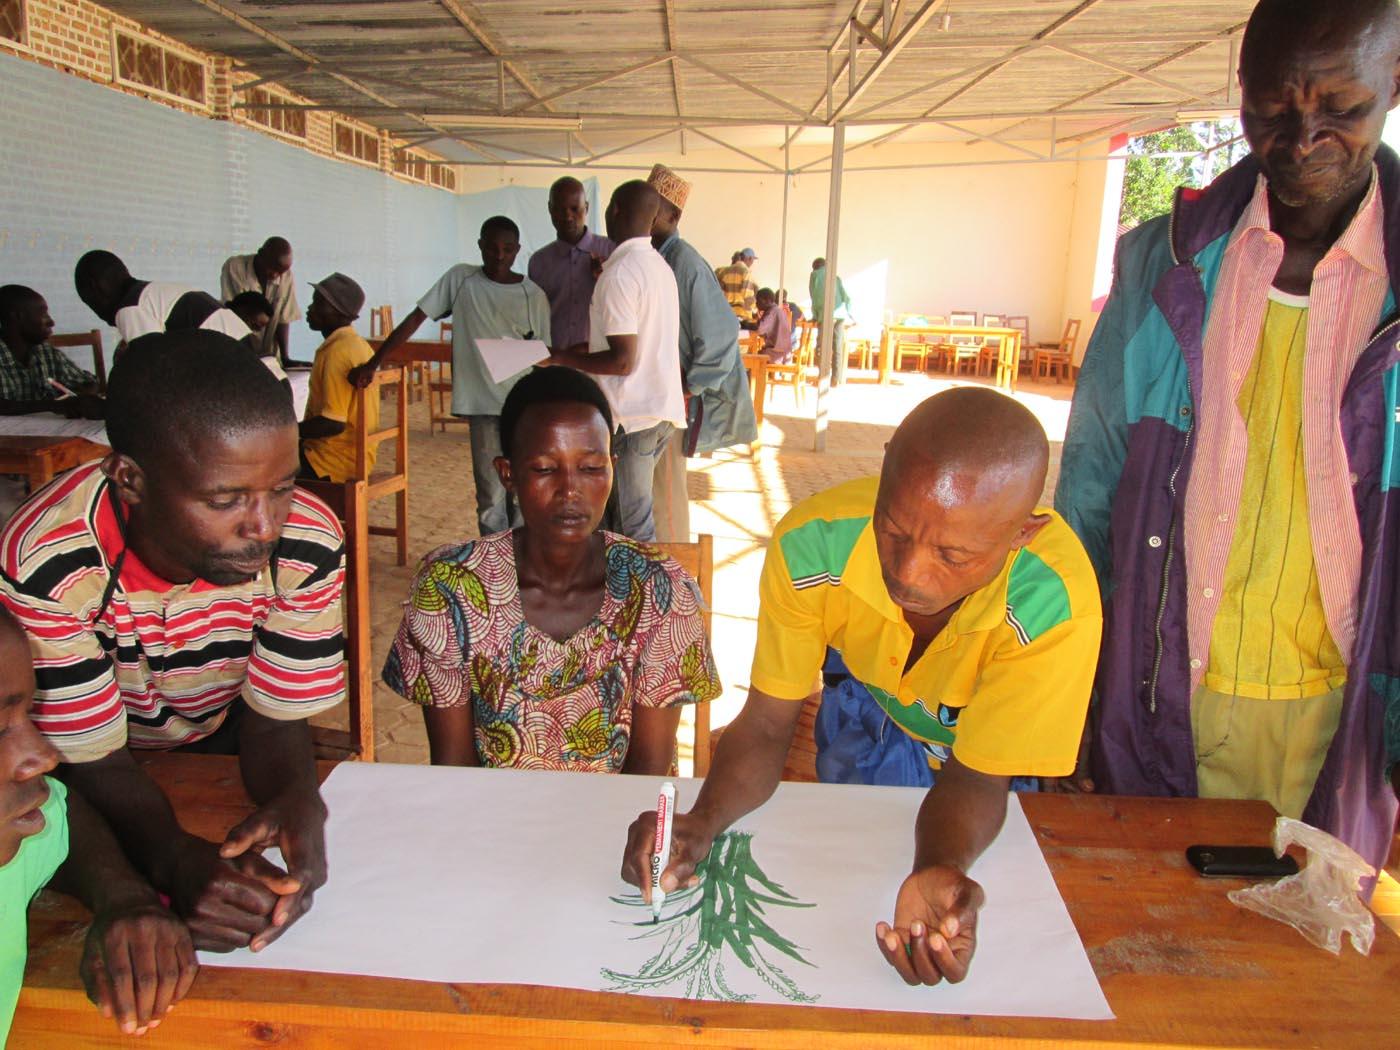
[958, 625]
[328, 427]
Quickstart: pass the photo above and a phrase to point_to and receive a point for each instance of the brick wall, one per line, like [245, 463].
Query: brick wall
[75, 36]
[174, 193]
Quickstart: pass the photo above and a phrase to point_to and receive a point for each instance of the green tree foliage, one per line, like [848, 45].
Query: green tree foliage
[1150, 180]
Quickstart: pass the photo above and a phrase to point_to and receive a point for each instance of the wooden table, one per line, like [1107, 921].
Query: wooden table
[1181, 966]
[40, 456]
[1008, 346]
[757, 367]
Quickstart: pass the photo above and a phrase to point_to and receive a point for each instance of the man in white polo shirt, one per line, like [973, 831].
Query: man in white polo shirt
[634, 326]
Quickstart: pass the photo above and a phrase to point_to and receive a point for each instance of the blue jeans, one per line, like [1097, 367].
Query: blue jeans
[634, 476]
[857, 743]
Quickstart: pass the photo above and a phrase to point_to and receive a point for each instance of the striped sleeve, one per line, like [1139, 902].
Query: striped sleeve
[51, 579]
[296, 668]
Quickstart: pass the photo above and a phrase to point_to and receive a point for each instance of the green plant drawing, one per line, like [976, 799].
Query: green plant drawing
[722, 916]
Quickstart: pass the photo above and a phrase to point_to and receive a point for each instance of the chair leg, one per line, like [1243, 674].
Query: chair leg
[401, 526]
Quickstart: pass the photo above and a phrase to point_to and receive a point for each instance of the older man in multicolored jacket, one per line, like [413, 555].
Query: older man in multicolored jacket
[1231, 457]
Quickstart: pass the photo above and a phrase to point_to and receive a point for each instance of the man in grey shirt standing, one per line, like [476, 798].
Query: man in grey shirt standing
[269, 272]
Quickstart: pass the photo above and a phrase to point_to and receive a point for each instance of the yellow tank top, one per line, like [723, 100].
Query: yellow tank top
[1270, 639]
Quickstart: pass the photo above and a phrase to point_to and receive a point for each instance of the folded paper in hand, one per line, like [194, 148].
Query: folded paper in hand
[509, 357]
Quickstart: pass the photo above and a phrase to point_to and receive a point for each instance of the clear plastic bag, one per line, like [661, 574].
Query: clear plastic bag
[1323, 900]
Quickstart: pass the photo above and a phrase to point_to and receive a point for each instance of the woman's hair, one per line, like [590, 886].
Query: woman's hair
[549, 386]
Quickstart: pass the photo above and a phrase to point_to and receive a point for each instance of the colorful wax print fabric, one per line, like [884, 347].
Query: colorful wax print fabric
[538, 703]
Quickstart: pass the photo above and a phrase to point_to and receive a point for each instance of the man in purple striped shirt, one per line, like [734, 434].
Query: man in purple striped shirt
[568, 267]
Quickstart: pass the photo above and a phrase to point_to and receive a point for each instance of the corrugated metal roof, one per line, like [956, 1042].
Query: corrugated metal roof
[1032, 70]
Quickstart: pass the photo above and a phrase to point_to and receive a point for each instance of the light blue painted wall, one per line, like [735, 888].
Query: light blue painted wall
[83, 166]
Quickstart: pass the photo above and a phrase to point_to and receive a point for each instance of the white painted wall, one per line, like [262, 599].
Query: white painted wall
[986, 237]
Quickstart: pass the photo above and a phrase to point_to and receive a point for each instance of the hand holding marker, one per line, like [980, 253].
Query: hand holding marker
[661, 847]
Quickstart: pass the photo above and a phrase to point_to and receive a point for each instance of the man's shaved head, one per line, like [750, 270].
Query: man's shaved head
[1319, 25]
[991, 442]
[100, 277]
[958, 492]
[632, 211]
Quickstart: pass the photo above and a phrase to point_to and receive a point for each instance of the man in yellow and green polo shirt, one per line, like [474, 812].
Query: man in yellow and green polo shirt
[940, 598]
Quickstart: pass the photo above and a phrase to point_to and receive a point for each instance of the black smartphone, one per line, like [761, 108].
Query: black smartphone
[1240, 862]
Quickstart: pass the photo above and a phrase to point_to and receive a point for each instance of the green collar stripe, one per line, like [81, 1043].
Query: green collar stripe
[817, 552]
[1036, 597]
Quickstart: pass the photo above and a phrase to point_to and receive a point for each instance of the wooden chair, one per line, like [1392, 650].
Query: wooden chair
[960, 349]
[395, 482]
[381, 321]
[91, 339]
[349, 503]
[1048, 358]
[794, 373]
[801, 761]
[439, 385]
[859, 349]
[1022, 324]
[698, 559]
[907, 345]
[991, 348]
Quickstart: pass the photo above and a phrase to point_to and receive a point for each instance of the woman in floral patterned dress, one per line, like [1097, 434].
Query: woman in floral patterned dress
[555, 645]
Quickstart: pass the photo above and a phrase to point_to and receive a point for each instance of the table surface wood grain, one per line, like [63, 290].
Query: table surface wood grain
[1181, 966]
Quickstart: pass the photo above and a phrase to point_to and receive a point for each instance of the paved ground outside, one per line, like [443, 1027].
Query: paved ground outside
[735, 496]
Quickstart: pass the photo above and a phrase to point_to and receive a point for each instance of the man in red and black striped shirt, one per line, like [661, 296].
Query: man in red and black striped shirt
[183, 593]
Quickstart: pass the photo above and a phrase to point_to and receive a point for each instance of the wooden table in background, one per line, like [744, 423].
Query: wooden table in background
[40, 456]
[1180, 964]
[1008, 340]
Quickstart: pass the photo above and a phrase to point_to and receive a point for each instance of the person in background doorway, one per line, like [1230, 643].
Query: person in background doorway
[568, 267]
[719, 410]
[268, 272]
[490, 301]
[329, 424]
[840, 316]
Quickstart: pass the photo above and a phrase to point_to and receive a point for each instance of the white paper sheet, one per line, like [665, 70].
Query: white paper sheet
[500, 876]
[509, 357]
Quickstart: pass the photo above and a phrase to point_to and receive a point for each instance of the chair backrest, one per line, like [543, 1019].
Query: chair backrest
[698, 559]
[445, 332]
[1022, 324]
[993, 320]
[1071, 336]
[91, 339]
[968, 318]
[348, 502]
[381, 321]
[365, 439]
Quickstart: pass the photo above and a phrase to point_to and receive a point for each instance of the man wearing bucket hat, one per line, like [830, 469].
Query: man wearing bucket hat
[718, 410]
[328, 426]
